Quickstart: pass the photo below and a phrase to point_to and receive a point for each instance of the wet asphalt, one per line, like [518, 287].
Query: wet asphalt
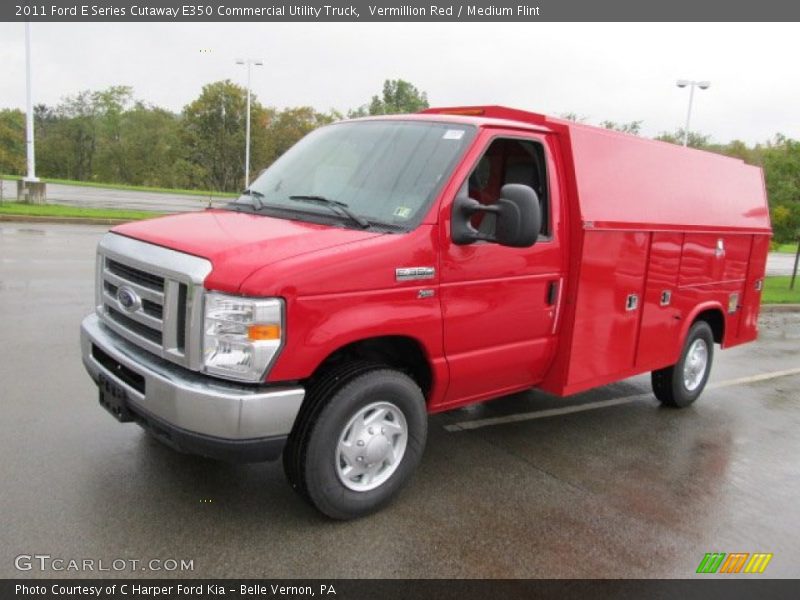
[629, 490]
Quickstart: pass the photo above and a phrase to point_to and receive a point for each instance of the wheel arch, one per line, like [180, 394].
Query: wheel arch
[402, 352]
[712, 314]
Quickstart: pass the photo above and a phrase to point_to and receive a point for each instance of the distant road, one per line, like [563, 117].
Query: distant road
[780, 263]
[76, 195]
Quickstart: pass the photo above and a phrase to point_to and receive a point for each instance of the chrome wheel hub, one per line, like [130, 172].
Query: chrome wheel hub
[371, 446]
[695, 365]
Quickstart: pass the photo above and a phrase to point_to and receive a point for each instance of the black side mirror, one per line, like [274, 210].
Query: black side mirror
[519, 218]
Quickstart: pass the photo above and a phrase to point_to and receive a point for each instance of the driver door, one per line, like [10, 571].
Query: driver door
[500, 304]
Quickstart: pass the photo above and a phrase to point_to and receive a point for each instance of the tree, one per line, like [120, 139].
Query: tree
[573, 116]
[782, 176]
[695, 140]
[633, 127]
[144, 149]
[285, 128]
[398, 96]
[70, 133]
[213, 133]
[12, 142]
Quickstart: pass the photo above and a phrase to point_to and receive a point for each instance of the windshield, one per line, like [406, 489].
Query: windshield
[382, 172]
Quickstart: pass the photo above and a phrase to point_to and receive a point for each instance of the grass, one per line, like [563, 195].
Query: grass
[60, 210]
[787, 248]
[776, 291]
[132, 188]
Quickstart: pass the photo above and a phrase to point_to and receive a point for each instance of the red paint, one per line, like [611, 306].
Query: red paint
[628, 216]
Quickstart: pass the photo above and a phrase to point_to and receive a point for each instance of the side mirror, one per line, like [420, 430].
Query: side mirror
[517, 212]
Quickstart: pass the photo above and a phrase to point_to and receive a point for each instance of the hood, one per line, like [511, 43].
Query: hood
[237, 244]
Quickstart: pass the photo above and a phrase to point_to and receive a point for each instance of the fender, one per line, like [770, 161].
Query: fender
[318, 326]
[697, 310]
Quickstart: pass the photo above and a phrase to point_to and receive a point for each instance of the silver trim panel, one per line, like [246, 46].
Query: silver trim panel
[194, 402]
[177, 269]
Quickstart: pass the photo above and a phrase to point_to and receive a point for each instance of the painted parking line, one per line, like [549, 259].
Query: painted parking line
[554, 412]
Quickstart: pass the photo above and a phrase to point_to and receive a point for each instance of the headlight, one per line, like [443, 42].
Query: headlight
[241, 335]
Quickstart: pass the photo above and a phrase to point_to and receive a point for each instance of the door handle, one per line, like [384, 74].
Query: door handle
[552, 293]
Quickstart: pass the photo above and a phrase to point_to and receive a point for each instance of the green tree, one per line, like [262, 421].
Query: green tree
[695, 139]
[633, 127]
[12, 142]
[285, 128]
[738, 149]
[70, 133]
[213, 134]
[782, 175]
[398, 97]
[145, 149]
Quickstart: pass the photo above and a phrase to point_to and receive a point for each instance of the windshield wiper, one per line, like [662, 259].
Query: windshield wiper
[256, 196]
[336, 205]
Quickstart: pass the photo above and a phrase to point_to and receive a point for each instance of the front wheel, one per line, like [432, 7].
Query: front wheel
[682, 383]
[364, 441]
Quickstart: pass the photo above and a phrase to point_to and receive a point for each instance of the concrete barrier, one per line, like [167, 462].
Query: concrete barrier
[31, 192]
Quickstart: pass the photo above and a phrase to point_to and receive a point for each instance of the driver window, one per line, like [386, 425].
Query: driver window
[508, 160]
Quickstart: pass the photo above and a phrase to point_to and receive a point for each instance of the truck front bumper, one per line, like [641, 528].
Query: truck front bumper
[189, 411]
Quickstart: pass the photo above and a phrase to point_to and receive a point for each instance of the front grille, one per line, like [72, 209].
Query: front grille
[153, 309]
[152, 296]
[138, 328]
[145, 318]
[133, 275]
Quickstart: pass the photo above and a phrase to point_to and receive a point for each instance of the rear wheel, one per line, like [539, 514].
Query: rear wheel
[360, 443]
[682, 383]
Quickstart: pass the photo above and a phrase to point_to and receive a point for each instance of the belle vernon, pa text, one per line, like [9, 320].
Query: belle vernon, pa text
[176, 591]
[275, 10]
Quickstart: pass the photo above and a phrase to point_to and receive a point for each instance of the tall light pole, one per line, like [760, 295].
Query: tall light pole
[249, 62]
[29, 107]
[682, 83]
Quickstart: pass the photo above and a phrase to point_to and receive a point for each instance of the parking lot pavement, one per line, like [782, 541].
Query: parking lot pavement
[615, 490]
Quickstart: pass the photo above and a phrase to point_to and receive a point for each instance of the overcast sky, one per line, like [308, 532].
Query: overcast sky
[620, 72]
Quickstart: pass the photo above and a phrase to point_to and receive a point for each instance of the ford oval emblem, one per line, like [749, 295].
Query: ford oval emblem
[128, 299]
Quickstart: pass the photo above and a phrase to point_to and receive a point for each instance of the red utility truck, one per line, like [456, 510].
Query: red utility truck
[387, 268]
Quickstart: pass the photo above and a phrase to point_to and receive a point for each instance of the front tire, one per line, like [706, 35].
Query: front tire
[361, 443]
[681, 384]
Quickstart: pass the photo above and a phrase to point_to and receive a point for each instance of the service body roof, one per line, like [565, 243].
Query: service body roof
[622, 180]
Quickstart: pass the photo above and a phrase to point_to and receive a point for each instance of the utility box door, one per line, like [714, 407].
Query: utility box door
[608, 305]
[661, 319]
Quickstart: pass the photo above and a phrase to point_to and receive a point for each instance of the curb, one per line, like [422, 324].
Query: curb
[63, 220]
[780, 308]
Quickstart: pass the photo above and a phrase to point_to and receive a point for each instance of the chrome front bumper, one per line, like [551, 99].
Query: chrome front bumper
[191, 411]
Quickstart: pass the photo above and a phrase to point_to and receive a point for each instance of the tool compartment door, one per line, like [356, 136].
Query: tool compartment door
[751, 298]
[608, 306]
[661, 319]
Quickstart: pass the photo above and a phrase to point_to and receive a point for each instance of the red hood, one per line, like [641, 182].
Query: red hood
[238, 243]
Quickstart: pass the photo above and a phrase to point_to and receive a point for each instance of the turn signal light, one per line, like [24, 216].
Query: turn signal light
[264, 332]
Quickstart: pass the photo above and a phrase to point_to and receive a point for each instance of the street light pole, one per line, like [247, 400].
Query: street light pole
[682, 83]
[249, 62]
[29, 107]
